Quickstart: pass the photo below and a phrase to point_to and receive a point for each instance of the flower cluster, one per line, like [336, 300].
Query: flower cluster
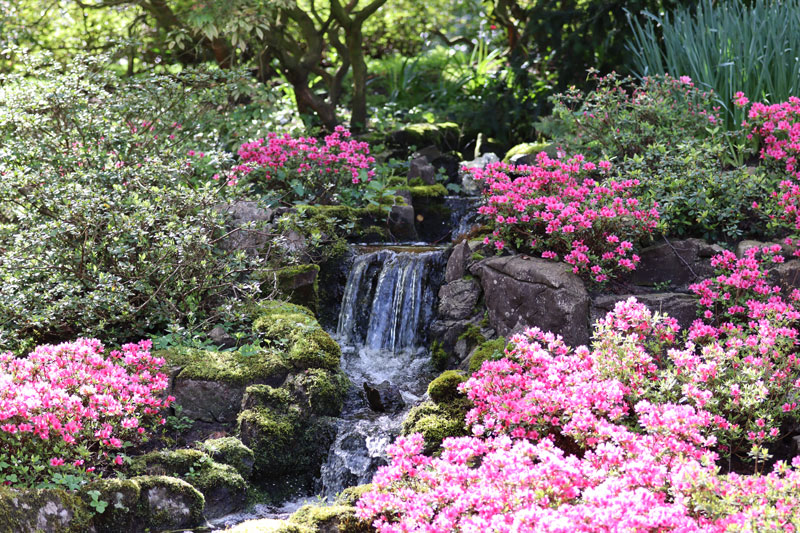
[557, 209]
[620, 437]
[319, 167]
[777, 127]
[72, 408]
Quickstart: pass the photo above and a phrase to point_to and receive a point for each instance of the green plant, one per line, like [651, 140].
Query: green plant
[95, 502]
[177, 422]
[726, 47]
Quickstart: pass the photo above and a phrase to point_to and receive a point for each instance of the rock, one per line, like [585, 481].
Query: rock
[221, 338]
[402, 223]
[521, 292]
[443, 135]
[745, 245]
[169, 503]
[422, 169]
[231, 451]
[46, 511]
[298, 283]
[457, 263]
[248, 221]
[429, 154]
[468, 185]
[458, 298]
[325, 519]
[677, 263]
[384, 397]
[786, 274]
[681, 307]
[448, 163]
[293, 242]
[525, 153]
[447, 332]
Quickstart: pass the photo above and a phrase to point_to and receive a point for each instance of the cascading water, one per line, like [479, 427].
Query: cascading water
[463, 214]
[388, 304]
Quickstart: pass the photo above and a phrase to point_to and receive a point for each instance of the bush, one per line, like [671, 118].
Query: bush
[107, 224]
[69, 411]
[621, 118]
[557, 208]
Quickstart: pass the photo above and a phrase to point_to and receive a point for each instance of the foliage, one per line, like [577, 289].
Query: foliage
[68, 411]
[697, 195]
[621, 118]
[622, 436]
[557, 208]
[106, 224]
[725, 47]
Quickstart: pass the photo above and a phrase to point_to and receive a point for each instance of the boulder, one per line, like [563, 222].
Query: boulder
[745, 245]
[468, 185]
[447, 332]
[384, 397]
[787, 274]
[457, 299]
[521, 292]
[230, 451]
[46, 511]
[221, 338]
[247, 221]
[676, 263]
[458, 261]
[402, 223]
[681, 307]
[421, 168]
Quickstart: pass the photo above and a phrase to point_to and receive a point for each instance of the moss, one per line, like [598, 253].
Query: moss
[444, 135]
[351, 495]
[529, 149]
[397, 181]
[261, 395]
[315, 349]
[173, 488]
[444, 389]
[472, 334]
[477, 256]
[439, 357]
[340, 518]
[29, 510]
[230, 451]
[228, 366]
[299, 283]
[322, 391]
[213, 475]
[272, 435]
[123, 511]
[427, 191]
[168, 462]
[275, 319]
[488, 350]
[436, 422]
[416, 182]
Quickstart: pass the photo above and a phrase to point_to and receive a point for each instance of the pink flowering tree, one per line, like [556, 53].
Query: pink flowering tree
[295, 169]
[566, 210]
[68, 412]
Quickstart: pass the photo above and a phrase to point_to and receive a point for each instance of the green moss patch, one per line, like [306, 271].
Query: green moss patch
[230, 451]
[486, 351]
[427, 192]
[444, 388]
[228, 367]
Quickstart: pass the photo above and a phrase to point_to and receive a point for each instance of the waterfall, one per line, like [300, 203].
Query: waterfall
[387, 307]
[463, 214]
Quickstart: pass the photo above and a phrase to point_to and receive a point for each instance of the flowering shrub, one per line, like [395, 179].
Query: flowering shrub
[623, 437]
[557, 209]
[621, 117]
[70, 409]
[303, 168]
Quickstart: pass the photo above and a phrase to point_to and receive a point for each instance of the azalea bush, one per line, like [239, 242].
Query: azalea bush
[305, 170]
[623, 436]
[67, 412]
[566, 210]
[622, 117]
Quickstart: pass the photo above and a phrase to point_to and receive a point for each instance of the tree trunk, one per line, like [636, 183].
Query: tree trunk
[355, 41]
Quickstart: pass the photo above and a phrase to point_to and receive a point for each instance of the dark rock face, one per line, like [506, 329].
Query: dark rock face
[522, 292]
[423, 169]
[384, 397]
[678, 263]
[402, 223]
[787, 274]
[458, 298]
[221, 338]
[457, 263]
[681, 307]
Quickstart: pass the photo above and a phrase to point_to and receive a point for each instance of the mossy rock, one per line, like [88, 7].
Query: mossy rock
[321, 391]
[276, 398]
[314, 349]
[230, 367]
[122, 512]
[223, 488]
[167, 503]
[327, 519]
[444, 135]
[436, 422]
[531, 149]
[276, 320]
[444, 389]
[230, 451]
[50, 510]
[299, 284]
[488, 350]
[427, 192]
[351, 495]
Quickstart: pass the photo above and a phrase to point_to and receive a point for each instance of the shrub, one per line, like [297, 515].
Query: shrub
[556, 208]
[107, 225]
[621, 117]
[68, 411]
